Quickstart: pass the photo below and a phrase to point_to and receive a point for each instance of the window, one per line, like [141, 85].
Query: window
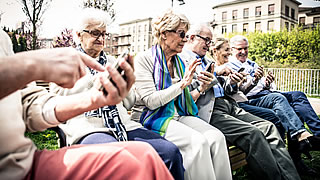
[234, 14]
[245, 27]
[316, 20]
[271, 25]
[292, 26]
[286, 12]
[224, 16]
[292, 13]
[224, 29]
[302, 21]
[245, 12]
[258, 26]
[271, 9]
[145, 28]
[287, 25]
[234, 28]
[258, 11]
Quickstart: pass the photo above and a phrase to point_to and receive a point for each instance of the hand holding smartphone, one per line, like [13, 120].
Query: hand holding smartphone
[209, 67]
[116, 66]
[241, 70]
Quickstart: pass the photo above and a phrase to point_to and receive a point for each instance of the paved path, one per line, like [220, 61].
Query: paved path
[315, 102]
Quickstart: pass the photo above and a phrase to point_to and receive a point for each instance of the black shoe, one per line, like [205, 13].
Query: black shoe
[303, 169]
[311, 143]
[295, 153]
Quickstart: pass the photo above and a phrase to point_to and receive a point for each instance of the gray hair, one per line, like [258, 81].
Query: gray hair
[91, 16]
[197, 28]
[238, 38]
[169, 20]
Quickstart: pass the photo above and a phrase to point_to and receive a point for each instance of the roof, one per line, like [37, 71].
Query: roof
[309, 3]
[243, 1]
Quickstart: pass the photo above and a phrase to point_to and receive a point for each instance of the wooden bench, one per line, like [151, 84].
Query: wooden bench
[237, 157]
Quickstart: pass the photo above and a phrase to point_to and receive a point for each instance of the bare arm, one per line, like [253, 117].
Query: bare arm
[64, 66]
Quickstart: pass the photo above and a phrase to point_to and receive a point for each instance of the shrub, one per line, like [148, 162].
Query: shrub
[299, 47]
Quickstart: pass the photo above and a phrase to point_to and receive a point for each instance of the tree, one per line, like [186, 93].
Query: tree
[34, 9]
[23, 43]
[105, 5]
[15, 43]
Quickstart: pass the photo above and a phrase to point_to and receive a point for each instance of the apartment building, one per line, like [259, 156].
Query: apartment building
[255, 15]
[135, 35]
[111, 44]
[309, 15]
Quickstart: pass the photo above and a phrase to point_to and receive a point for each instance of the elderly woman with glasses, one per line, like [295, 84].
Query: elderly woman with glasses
[165, 104]
[110, 123]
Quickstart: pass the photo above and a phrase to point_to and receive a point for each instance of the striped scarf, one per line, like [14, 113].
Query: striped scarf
[158, 120]
[109, 114]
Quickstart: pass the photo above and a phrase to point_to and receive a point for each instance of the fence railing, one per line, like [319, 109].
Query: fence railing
[305, 80]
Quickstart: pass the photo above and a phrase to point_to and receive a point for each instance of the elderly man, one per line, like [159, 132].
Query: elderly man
[258, 90]
[259, 139]
[110, 123]
[33, 108]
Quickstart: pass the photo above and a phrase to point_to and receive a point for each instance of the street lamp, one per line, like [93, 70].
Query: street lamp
[181, 2]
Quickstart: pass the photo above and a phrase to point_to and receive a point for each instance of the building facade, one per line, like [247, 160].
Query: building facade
[255, 15]
[111, 44]
[309, 17]
[135, 35]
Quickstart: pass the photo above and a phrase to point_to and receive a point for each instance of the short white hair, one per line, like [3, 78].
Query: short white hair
[91, 16]
[238, 38]
[198, 28]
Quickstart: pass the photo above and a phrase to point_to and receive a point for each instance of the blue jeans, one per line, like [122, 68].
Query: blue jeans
[169, 152]
[301, 106]
[279, 104]
[264, 113]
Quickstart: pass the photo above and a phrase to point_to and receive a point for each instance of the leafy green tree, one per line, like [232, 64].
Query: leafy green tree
[15, 44]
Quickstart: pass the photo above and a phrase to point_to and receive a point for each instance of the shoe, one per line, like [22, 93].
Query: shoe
[311, 143]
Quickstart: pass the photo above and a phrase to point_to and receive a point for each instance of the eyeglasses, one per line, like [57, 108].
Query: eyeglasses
[240, 49]
[181, 34]
[96, 33]
[206, 39]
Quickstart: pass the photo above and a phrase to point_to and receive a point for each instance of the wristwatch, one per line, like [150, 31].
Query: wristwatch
[201, 93]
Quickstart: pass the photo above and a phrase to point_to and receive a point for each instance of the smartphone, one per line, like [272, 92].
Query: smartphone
[241, 69]
[116, 66]
[209, 67]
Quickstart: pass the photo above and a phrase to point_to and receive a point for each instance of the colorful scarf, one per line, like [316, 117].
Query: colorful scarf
[158, 120]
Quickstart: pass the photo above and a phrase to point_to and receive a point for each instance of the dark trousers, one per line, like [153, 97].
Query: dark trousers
[169, 152]
[302, 107]
[267, 155]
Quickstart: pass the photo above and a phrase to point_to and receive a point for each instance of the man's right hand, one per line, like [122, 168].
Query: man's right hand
[63, 66]
[259, 73]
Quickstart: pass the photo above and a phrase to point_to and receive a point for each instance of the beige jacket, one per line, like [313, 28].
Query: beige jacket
[80, 126]
[20, 111]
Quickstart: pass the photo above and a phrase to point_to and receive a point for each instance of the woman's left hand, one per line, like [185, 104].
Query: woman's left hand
[188, 74]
